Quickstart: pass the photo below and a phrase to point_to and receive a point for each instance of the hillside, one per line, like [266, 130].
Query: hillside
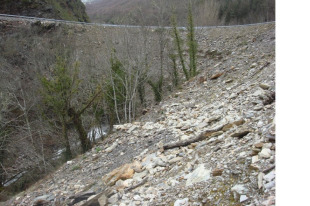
[53, 9]
[158, 12]
[210, 142]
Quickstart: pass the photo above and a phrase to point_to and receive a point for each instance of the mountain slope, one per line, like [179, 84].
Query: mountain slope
[158, 12]
[230, 105]
[53, 9]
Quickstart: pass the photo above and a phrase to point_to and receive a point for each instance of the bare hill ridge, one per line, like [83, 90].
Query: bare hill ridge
[230, 106]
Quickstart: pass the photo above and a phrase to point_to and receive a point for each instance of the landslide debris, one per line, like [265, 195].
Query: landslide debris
[232, 165]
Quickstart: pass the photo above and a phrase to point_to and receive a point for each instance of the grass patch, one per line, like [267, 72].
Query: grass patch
[98, 149]
[76, 167]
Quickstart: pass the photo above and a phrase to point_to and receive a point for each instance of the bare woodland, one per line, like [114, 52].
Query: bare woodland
[207, 12]
[103, 78]
[58, 81]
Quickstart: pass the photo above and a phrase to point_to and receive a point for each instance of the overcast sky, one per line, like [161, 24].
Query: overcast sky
[85, 1]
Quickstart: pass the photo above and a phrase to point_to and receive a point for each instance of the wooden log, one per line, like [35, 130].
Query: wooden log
[137, 185]
[199, 138]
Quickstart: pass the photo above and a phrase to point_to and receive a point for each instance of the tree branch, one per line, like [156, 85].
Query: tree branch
[89, 103]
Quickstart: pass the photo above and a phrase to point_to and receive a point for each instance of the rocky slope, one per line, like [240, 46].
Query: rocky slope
[221, 124]
[52, 9]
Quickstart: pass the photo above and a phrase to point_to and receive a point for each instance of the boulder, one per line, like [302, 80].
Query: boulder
[265, 153]
[122, 173]
[182, 202]
[241, 133]
[217, 172]
[198, 175]
[239, 190]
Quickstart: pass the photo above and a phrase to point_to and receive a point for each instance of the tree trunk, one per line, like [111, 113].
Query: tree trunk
[76, 118]
[68, 154]
[2, 170]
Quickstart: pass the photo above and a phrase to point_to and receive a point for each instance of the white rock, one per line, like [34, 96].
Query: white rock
[259, 93]
[139, 176]
[128, 182]
[270, 185]
[242, 154]
[243, 198]
[176, 159]
[148, 160]
[112, 147]
[233, 95]
[150, 196]
[198, 175]
[270, 176]
[137, 198]
[182, 202]
[151, 190]
[267, 145]
[103, 200]
[132, 128]
[113, 199]
[148, 126]
[260, 124]
[185, 137]
[255, 159]
[253, 65]
[270, 201]
[260, 180]
[239, 189]
[173, 182]
[264, 86]
[265, 153]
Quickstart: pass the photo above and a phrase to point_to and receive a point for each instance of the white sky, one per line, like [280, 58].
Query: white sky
[85, 1]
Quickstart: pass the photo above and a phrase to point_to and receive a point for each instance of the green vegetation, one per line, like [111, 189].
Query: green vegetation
[98, 149]
[175, 73]
[157, 88]
[115, 89]
[73, 10]
[240, 10]
[141, 89]
[192, 46]
[178, 43]
[192, 43]
[76, 167]
[58, 95]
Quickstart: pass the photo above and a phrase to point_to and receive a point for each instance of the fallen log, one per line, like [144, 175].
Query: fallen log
[137, 185]
[204, 135]
[199, 138]
[80, 197]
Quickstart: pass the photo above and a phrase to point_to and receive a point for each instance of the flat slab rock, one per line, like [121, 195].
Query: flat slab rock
[198, 175]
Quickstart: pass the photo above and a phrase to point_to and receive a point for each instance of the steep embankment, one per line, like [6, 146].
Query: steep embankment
[52, 9]
[230, 106]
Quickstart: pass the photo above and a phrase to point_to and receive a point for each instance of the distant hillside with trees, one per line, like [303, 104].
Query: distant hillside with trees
[158, 12]
[73, 10]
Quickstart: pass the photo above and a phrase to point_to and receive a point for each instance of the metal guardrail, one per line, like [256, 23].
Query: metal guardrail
[117, 25]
